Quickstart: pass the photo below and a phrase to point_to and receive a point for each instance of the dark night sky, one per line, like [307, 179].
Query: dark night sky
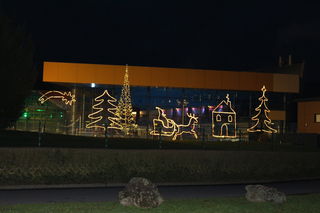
[226, 35]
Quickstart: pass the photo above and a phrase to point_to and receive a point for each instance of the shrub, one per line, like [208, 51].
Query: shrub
[62, 166]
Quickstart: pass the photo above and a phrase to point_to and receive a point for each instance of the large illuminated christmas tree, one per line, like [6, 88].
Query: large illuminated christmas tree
[124, 110]
[262, 119]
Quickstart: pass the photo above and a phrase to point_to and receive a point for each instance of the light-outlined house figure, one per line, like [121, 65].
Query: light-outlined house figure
[224, 120]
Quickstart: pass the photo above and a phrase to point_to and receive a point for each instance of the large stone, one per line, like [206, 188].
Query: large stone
[260, 193]
[140, 192]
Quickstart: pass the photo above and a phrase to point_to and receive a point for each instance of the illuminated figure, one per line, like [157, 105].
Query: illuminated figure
[168, 127]
[124, 109]
[224, 121]
[99, 114]
[187, 128]
[66, 97]
[262, 120]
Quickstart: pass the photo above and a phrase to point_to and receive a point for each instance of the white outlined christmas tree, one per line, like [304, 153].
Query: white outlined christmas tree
[262, 119]
[99, 117]
[124, 109]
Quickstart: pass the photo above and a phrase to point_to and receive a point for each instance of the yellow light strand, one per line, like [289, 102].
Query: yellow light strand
[167, 127]
[66, 97]
[187, 128]
[217, 120]
[267, 121]
[98, 110]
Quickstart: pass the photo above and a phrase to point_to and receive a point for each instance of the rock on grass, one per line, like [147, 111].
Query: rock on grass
[140, 192]
[260, 193]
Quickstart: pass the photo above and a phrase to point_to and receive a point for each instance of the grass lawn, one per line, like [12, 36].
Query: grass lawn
[294, 204]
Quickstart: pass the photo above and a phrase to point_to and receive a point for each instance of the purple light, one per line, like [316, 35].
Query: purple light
[203, 109]
[194, 110]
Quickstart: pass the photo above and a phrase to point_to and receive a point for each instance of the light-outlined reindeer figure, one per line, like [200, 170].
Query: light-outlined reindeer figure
[66, 97]
[187, 128]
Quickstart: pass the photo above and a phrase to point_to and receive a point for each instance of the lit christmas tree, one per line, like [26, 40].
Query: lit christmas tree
[124, 109]
[262, 120]
[99, 115]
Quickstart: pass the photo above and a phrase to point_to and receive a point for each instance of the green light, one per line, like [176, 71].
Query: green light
[25, 114]
[40, 110]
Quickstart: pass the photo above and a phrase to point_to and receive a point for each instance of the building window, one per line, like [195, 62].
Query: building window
[317, 118]
[218, 118]
[230, 118]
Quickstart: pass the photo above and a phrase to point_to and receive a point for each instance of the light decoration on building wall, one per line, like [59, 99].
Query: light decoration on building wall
[124, 109]
[224, 120]
[67, 97]
[262, 120]
[169, 128]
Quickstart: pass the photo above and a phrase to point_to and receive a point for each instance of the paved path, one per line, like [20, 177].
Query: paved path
[168, 192]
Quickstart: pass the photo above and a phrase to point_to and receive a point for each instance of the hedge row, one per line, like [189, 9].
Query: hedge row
[63, 166]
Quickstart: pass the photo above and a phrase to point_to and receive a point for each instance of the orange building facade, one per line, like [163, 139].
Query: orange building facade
[169, 77]
[309, 116]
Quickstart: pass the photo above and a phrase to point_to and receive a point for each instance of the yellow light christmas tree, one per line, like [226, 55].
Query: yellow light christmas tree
[98, 117]
[124, 110]
[262, 120]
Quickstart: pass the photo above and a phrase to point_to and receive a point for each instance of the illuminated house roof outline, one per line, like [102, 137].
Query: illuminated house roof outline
[226, 106]
[224, 123]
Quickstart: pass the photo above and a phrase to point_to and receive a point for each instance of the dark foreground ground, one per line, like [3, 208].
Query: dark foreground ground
[22, 196]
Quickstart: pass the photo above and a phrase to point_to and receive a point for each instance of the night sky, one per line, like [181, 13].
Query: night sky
[227, 35]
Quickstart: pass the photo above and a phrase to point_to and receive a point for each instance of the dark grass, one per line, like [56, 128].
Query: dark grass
[294, 204]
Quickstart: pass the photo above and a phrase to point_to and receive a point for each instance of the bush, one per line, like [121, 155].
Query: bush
[63, 166]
